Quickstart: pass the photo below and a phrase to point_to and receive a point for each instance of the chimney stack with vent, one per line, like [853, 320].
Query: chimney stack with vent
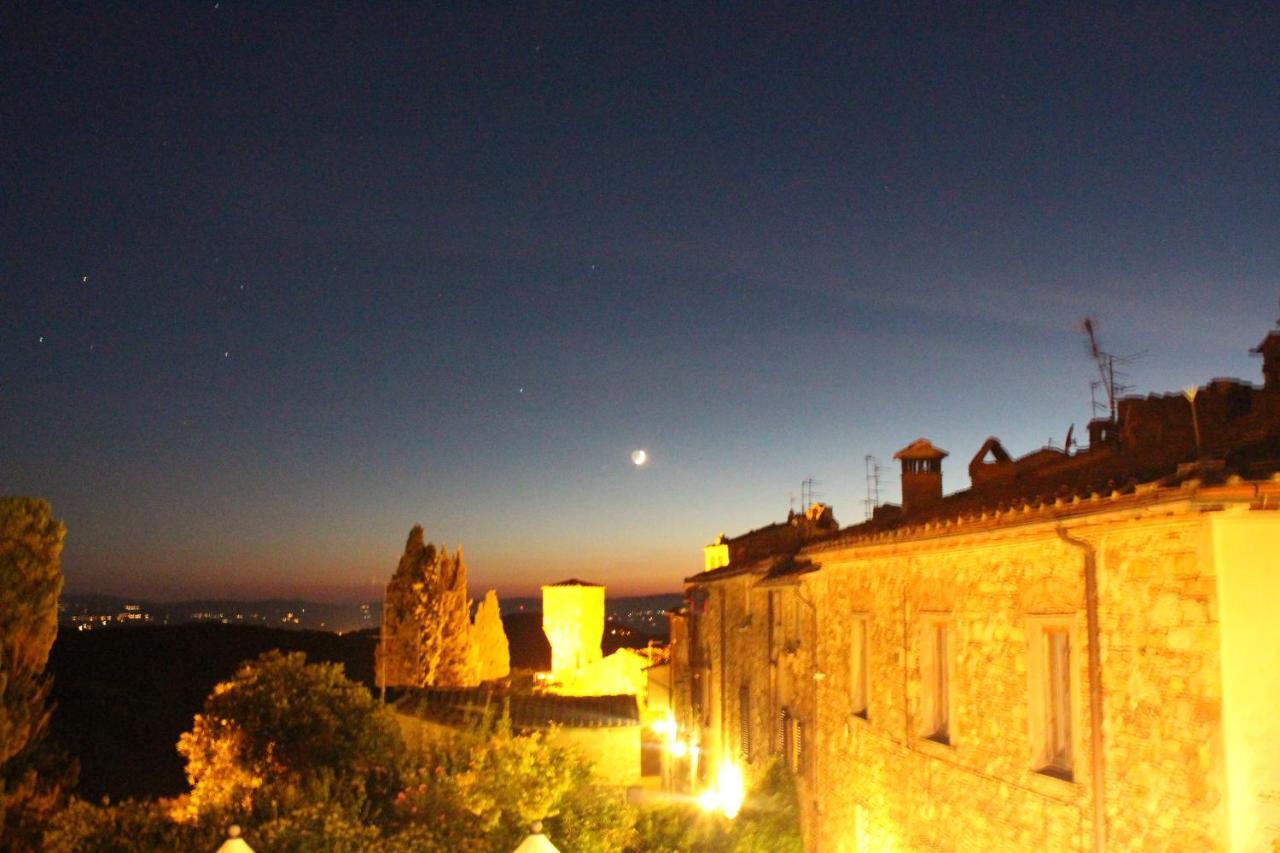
[921, 474]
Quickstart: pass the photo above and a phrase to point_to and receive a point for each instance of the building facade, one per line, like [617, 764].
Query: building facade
[1076, 653]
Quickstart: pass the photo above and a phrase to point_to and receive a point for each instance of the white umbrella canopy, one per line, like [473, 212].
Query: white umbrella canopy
[536, 842]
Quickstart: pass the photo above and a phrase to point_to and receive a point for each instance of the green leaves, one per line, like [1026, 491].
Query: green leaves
[483, 789]
[30, 582]
[282, 725]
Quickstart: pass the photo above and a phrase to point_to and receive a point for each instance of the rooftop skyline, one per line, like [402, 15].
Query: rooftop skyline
[281, 282]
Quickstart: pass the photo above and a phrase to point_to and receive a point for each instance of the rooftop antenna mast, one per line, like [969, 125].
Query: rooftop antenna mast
[807, 493]
[1108, 376]
[872, 499]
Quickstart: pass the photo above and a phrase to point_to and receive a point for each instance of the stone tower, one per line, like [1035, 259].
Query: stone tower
[573, 620]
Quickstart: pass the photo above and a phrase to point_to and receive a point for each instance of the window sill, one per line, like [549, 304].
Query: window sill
[1052, 782]
[936, 748]
[1057, 773]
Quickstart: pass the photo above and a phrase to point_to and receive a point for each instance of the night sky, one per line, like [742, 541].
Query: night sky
[279, 280]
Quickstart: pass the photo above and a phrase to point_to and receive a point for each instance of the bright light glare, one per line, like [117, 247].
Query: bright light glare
[732, 790]
[639, 457]
[679, 749]
[728, 794]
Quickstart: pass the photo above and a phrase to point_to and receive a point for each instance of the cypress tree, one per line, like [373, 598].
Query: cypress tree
[489, 645]
[402, 636]
[456, 663]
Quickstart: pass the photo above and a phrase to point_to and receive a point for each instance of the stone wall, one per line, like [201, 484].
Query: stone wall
[734, 634]
[880, 785]
[875, 782]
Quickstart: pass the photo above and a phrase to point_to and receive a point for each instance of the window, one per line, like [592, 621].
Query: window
[1050, 711]
[790, 740]
[935, 675]
[703, 675]
[744, 721]
[858, 665]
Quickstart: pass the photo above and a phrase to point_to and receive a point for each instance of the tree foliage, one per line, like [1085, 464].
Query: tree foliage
[427, 621]
[483, 789]
[770, 818]
[489, 645]
[447, 628]
[32, 777]
[30, 582]
[282, 730]
[768, 823]
[303, 760]
[35, 784]
[398, 654]
[680, 828]
[129, 827]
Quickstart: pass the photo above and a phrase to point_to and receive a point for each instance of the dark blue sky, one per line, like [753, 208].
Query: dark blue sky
[279, 282]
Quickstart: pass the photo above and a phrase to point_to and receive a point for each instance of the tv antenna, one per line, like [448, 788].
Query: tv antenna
[872, 500]
[807, 493]
[1109, 378]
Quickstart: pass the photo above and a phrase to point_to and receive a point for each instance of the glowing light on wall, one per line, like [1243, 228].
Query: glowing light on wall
[728, 794]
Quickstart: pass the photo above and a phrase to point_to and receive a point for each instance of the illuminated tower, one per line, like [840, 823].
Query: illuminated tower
[573, 620]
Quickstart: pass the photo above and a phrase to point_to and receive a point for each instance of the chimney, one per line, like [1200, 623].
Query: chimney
[921, 475]
[1269, 349]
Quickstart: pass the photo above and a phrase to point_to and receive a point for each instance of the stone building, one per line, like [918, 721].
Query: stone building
[1076, 653]
[595, 702]
[573, 620]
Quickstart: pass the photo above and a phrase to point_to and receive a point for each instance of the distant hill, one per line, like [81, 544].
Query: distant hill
[124, 696]
[91, 612]
[96, 612]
